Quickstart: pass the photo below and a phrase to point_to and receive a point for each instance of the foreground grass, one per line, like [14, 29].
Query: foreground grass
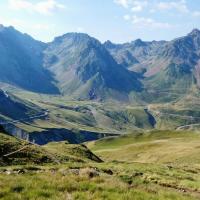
[144, 166]
[95, 181]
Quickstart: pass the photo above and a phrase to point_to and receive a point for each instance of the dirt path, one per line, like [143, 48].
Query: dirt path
[187, 126]
[9, 154]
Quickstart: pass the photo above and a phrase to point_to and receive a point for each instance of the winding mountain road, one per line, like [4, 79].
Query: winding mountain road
[175, 115]
[38, 116]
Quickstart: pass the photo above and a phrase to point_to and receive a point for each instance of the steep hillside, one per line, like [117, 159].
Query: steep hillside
[75, 64]
[181, 68]
[85, 69]
[14, 108]
[21, 62]
[138, 55]
[168, 67]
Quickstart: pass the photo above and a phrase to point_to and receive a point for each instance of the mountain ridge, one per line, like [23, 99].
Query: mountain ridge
[80, 66]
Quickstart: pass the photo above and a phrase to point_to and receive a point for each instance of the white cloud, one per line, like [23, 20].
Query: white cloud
[143, 22]
[144, 13]
[138, 6]
[127, 17]
[48, 6]
[124, 3]
[180, 6]
[45, 7]
[134, 5]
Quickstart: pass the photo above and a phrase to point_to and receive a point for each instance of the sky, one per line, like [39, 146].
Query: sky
[116, 20]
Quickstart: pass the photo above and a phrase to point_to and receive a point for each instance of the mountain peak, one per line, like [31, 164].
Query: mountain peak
[195, 32]
[8, 29]
[1, 26]
[109, 44]
[138, 43]
[74, 36]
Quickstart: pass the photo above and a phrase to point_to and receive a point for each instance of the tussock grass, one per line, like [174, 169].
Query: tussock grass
[58, 185]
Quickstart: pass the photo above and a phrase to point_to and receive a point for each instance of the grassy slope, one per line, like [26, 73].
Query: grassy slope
[109, 117]
[157, 146]
[75, 152]
[174, 175]
[26, 153]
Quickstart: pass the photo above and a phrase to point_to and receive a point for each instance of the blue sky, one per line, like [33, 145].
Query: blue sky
[115, 20]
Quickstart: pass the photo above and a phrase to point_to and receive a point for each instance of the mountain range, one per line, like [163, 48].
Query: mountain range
[165, 65]
[80, 66]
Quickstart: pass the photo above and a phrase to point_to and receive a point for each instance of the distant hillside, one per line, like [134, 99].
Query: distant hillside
[12, 107]
[172, 65]
[21, 62]
[136, 56]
